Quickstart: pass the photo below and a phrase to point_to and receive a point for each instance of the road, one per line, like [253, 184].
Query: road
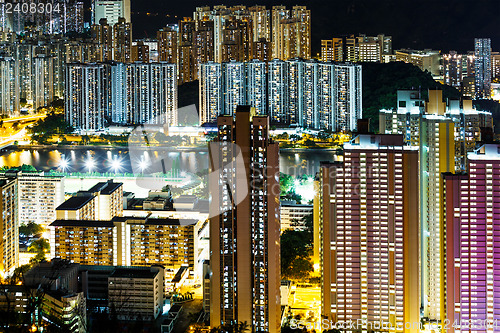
[24, 118]
[188, 314]
[10, 140]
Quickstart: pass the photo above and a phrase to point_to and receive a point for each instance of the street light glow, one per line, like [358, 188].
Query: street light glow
[143, 164]
[116, 164]
[89, 164]
[63, 164]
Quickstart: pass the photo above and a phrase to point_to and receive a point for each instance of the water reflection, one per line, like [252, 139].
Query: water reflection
[117, 160]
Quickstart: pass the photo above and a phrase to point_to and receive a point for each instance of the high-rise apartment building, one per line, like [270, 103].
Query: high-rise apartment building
[353, 48]
[453, 68]
[294, 92]
[38, 196]
[261, 19]
[332, 49]
[151, 93]
[277, 87]
[244, 229]
[43, 81]
[186, 63]
[369, 220]
[470, 257]
[167, 45]
[411, 107]
[9, 225]
[139, 52]
[132, 93]
[257, 85]
[111, 10]
[9, 87]
[204, 43]
[211, 94]
[122, 40]
[348, 102]
[444, 134]
[102, 34]
[437, 155]
[308, 94]
[237, 39]
[234, 86]
[262, 50]
[291, 32]
[495, 64]
[87, 93]
[278, 14]
[482, 66]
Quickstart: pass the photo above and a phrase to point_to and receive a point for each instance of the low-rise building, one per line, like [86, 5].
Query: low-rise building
[137, 293]
[128, 241]
[291, 215]
[103, 201]
[65, 309]
[426, 60]
[38, 195]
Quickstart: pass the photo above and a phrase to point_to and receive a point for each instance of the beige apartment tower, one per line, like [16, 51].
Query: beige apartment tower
[369, 235]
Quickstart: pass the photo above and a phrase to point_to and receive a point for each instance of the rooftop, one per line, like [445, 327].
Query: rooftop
[105, 188]
[130, 220]
[135, 273]
[75, 203]
[82, 223]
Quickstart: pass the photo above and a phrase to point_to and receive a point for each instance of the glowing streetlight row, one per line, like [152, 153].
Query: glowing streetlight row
[116, 164]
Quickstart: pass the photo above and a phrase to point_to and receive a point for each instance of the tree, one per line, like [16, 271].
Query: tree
[53, 124]
[85, 139]
[286, 183]
[296, 250]
[39, 245]
[161, 137]
[491, 106]
[31, 230]
[382, 81]
[295, 253]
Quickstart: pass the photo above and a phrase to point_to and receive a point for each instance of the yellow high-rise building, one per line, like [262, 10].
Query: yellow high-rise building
[9, 226]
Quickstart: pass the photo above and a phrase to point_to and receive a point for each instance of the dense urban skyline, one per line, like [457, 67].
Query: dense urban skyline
[285, 201]
[450, 25]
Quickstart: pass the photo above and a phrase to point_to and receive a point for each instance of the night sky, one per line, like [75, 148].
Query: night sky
[437, 24]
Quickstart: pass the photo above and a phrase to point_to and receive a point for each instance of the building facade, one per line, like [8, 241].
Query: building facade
[129, 288]
[369, 216]
[470, 255]
[9, 249]
[127, 241]
[412, 107]
[86, 98]
[9, 87]
[292, 215]
[482, 67]
[308, 94]
[39, 196]
[103, 201]
[244, 227]
[111, 10]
